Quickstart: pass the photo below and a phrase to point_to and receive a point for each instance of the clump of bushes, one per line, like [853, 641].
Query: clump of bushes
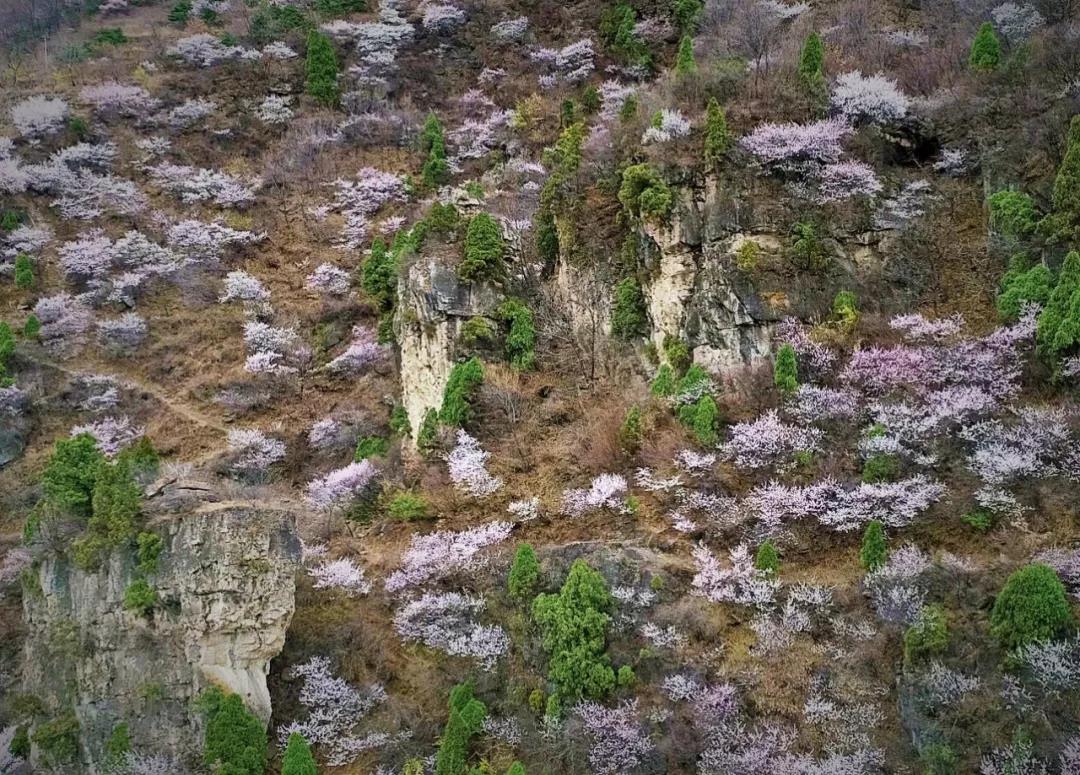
[1032, 606]
[235, 742]
[322, 69]
[927, 637]
[644, 193]
[466, 717]
[628, 316]
[484, 250]
[465, 379]
[408, 507]
[524, 573]
[521, 339]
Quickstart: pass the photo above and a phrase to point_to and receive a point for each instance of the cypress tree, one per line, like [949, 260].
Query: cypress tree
[298, 759]
[465, 378]
[32, 327]
[7, 346]
[812, 59]
[1060, 319]
[484, 250]
[436, 169]
[785, 370]
[24, 272]
[717, 136]
[380, 275]
[70, 474]
[1032, 606]
[985, 49]
[1066, 196]
[628, 319]
[684, 62]
[235, 740]
[874, 550]
[322, 69]
[524, 573]
[767, 559]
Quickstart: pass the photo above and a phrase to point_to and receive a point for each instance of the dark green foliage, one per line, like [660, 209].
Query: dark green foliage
[677, 352]
[628, 316]
[466, 716]
[110, 36]
[767, 559]
[524, 574]
[1066, 197]
[940, 759]
[701, 418]
[140, 458]
[484, 250]
[1023, 284]
[590, 99]
[115, 505]
[20, 743]
[625, 678]
[807, 251]
[644, 193]
[573, 624]
[686, 14]
[340, 7]
[399, 420]
[617, 33]
[235, 742]
[874, 550]
[717, 136]
[436, 170]
[979, 519]
[151, 545]
[180, 12]
[443, 218]
[70, 474]
[521, 339]
[985, 49]
[408, 507]
[476, 331]
[1030, 607]
[517, 768]
[631, 432]
[322, 69]
[811, 64]
[140, 597]
[629, 109]
[1012, 213]
[78, 126]
[371, 446]
[119, 743]
[1059, 322]
[465, 379]
[785, 370]
[7, 346]
[927, 637]
[553, 708]
[663, 384]
[684, 60]
[32, 327]
[380, 275]
[24, 272]
[547, 236]
[695, 381]
[273, 22]
[880, 468]
[567, 113]
[58, 740]
[298, 759]
[9, 221]
[429, 431]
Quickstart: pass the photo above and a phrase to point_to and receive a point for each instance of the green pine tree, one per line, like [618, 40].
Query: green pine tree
[985, 49]
[380, 275]
[1066, 197]
[524, 573]
[436, 169]
[484, 250]
[628, 316]
[767, 559]
[322, 69]
[235, 742]
[874, 550]
[812, 59]
[298, 759]
[24, 272]
[717, 136]
[465, 379]
[1059, 322]
[32, 327]
[785, 370]
[684, 61]
[7, 346]
[70, 474]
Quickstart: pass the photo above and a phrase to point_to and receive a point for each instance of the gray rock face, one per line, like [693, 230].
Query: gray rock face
[225, 585]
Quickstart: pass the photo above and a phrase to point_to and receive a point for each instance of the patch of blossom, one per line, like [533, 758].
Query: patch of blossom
[357, 200]
[846, 179]
[647, 480]
[477, 137]
[26, 239]
[1054, 664]
[329, 433]
[274, 110]
[273, 350]
[437, 555]
[613, 95]
[815, 360]
[953, 162]
[378, 42]
[1069, 760]
[908, 204]
[893, 587]
[695, 463]
[193, 184]
[117, 99]
[814, 404]
[202, 242]
[39, 115]
[511, 29]
[776, 629]
[309, 552]
[253, 451]
[444, 621]
[915, 327]
[363, 351]
[1016, 759]
[206, 50]
[153, 146]
[740, 583]
[618, 741]
[189, 112]
[672, 124]
[441, 17]
[573, 62]
[875, 99]
[1066, 563]
[343, 574]
[844, 724]
[907, 38]
[339, 487]
[14, 178]
[525, 510]
[99, 392]
[783, 11]
[1016, 20]
[334, 709]
[15, 562]
[278, 50]
[64, 320]
[663, 637]
[122, 335]
[467, 465]
[508, 730]
[767, 441]
[243, 287]
[81, 192]
[13, 401]
[111, 434]
[942, 685]
[679, 687]
[631, 597]
[791, 147]
[607, 491]
[329, 279]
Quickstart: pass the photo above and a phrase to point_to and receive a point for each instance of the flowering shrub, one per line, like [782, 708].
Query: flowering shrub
[792, 146]
[440, 554]
[38, 115]
[240, 286]
[1016, 20]
[444, 621]
[189, 112]
[525, 510]
[64, 321]
[606, 491]
[767, 441]
[112, 98]
[192, 184]
[122, 335]
[111, 434]
[357, 200]
[511, 29]
[89, 258]
[916, 327]
[205, 50]
[442, 17]
[362, 351]
[875, 99]
[334, 709]
[467, 463]
[329, 279]
[672, 124]
[846, 179]
[618, 741]
[815, 360]
[253, 451]
[739, 583]
[274, 110]
[338, 488]
[202, 242]
[814, 404]
[341, 574]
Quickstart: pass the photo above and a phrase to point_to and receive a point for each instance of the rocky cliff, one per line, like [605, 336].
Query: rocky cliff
[225, 589]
